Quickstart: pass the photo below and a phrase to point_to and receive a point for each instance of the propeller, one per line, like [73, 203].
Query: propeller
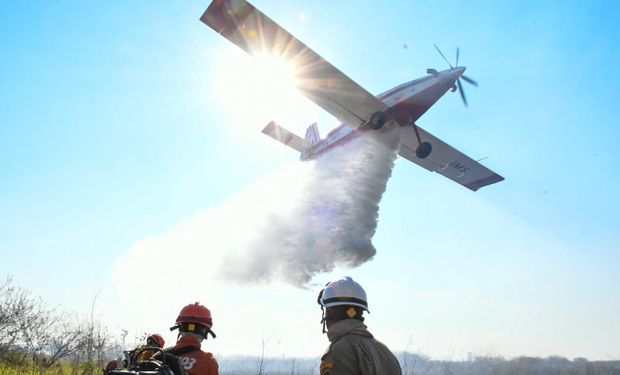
[458, 80]
[469, 80]
[458, 83]
[444, 58]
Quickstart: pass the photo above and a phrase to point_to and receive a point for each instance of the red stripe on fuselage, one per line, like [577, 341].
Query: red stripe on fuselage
[344, 139]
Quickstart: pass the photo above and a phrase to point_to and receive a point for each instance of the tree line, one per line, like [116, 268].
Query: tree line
[419, 364]
[416, 364]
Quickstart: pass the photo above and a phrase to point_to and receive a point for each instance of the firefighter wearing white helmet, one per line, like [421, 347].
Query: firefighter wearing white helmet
[352, 350]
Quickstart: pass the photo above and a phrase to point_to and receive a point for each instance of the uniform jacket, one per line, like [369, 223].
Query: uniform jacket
[354, 351]
[195, 362]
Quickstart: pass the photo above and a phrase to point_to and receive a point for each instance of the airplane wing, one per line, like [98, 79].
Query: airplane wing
[251, 30]
[446, 160]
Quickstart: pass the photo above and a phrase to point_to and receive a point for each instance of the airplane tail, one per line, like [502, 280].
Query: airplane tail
[288, 138]
[312, 134]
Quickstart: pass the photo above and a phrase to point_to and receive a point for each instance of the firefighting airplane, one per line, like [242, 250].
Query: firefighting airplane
[357, 109]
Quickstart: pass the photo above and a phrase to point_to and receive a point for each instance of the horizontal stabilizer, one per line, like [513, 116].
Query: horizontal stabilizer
[282, 135]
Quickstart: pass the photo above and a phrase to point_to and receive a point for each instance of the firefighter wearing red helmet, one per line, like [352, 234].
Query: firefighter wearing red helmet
[352, 349]
[144, 352]
[111, 366]
[194, 324]
[154, 340]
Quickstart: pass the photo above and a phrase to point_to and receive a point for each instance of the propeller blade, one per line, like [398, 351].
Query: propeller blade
[458, 83]
[469, 80]
[457, 56]
[446, 60]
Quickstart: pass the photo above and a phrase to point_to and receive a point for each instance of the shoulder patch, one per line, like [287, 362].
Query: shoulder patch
[326, 352]
[326, 366]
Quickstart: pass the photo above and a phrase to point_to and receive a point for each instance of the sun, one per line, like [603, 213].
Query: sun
[253, 90]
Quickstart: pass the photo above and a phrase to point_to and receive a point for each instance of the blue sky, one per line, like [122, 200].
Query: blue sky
[116, 128]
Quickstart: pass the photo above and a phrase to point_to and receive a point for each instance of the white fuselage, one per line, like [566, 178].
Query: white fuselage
[406, 102]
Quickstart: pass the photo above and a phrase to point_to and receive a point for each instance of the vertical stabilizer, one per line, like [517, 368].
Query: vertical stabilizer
[312, 134]
[282, 135]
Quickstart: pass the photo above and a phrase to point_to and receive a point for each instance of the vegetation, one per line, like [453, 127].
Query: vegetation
[415, 364]
[37, 339]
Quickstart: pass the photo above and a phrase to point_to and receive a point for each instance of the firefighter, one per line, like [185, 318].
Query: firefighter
[155, 340]
[194, 324]
[111, 366]
[352, 350]
[152, 341]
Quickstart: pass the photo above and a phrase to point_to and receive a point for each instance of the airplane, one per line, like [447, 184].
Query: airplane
[357, 109]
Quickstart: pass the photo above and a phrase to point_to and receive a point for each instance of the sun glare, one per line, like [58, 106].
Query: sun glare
[253, 90]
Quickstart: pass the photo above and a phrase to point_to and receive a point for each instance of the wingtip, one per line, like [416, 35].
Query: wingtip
[225, 16]
[489, 180]
[269, 127]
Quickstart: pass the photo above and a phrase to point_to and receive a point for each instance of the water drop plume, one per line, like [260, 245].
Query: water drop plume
[332, 219]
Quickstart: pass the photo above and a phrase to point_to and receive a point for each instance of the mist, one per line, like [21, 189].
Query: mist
[332, 219]
[299, 221]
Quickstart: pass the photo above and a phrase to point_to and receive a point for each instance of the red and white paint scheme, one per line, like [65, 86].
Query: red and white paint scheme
[357, 109]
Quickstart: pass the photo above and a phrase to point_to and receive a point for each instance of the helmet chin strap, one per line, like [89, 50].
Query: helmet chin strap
[323, 319]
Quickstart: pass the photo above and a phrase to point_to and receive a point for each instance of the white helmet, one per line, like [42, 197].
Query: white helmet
[343, 292]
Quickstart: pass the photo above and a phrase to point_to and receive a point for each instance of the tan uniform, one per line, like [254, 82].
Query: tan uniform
[354, 351]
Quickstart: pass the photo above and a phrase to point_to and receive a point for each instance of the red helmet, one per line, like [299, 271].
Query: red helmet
[112, 365]
[195, 313]
[157, 339]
